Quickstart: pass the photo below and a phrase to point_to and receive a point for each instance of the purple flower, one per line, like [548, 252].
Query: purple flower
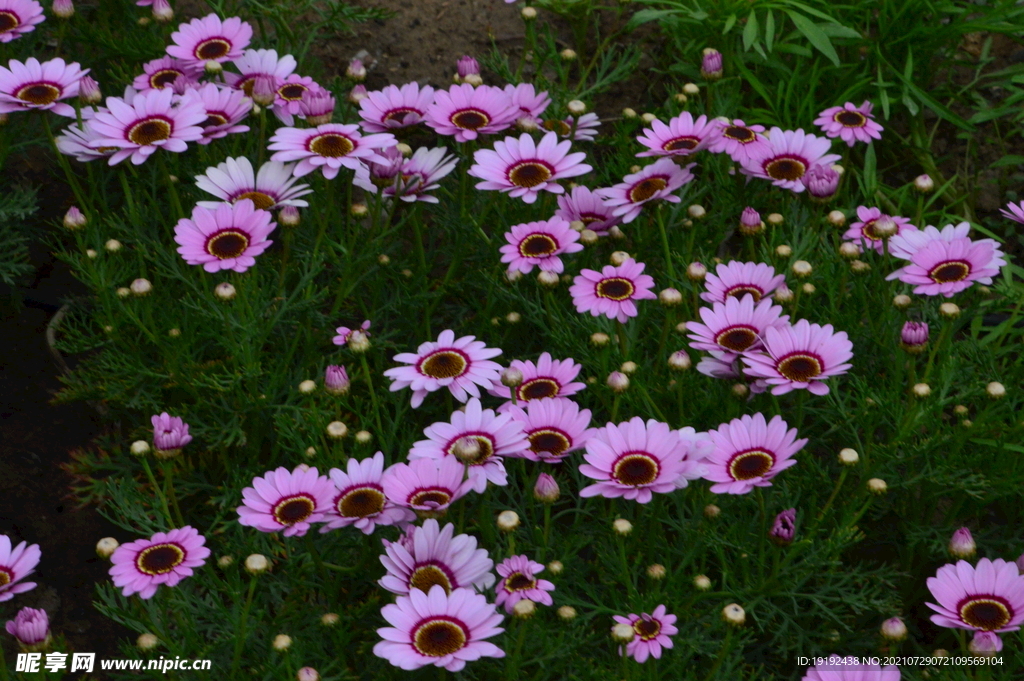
[850, 123]
[468, 66]
[31, 627]
[165, 558]
[914, 337]
[170, 434]
[822, 182]
[16, 563]
[961, 544]
[336, 380]
[711, 64]
[519, 581]
[784, 528]
[985, 597]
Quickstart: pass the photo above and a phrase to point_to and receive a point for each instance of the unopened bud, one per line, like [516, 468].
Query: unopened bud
[628, 368]
[140, 448]
[567, 612]
[961, 544]
[622, 527]
[623, 633]
[734, 614]
[329, 619]
[618, 257]
[679, 361]
[628, 113]
[513, 317]
[588, 237]
[921, 390]
[902, 301]
[336, 430]
[282, 642]
[225, 562]
[74, 218]
[112, 245]
[546, 489]
[467, 450]
[949, 310]
[656, 571]
[599, 339]
[524, 609]
[528, 14]
[555, 567]
[147, 642]
[141, 287]
[691, 89]
[508, 521]
[224, 291]
[877, 486]
[548, 279]
[257, 564]
[837, 218]
[802, 268]
[893, 629]
[105, 547]
[696, 211]
[849, 250]
[307, 674]
[618, 381]
[701, 582]
[289, 216]
[696, 271]
[996, 390]
[647, 118]
[358, 341]
[212, 67]
[511, 377]
[848, 457]
[711, 511]
[307, 386]
[924, 184]
[783, 250]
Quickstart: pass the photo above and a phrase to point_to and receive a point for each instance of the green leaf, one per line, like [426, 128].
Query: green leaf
[839, 31]
[758, 86]
[750, 31]
[814, 35]
[729, 23]
[994, 443]
[909, 102]
[1008, 160]
[883, 96]
[647, 15]
[769, 30]
[870, 170]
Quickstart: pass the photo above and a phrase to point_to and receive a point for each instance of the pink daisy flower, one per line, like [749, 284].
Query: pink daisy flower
[235, 180]
[655, 182]
[907, 244]
[720, 365]
[291, 92]
[1014, 211]
[850, 123]
[430, 556]
[554, 427]
[611, 291]
[985, 597]
[210, 39]
[681, 137]
[289, 501]
[651, 633]
[162, 73]
[421, 173]
[148, 123]
[737, 279]
[583, 205]
[465, 111]
[345, 333]
[735, 326]
[166, 558]
[444, 630]
[862, 232]
[170, 434]
[635, 459]
[527, 102]
[328, 147]
[941, 267]
[359, 498]
[225, 109]
[16, 563]
[800, 356]
[461, 365]
[395, 107]
[525, 168]
[519, 581]
[427, 486]
[497, 436]
[538, 244]
[18, 17]
[786, 158]
[583, 129]
[34, 85]
[749, 452]
[737, 139]
[228, 237]
[837, 668]
[255, 63]
[77, 141]
[547, 378]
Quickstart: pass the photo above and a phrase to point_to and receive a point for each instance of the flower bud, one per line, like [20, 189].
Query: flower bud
[555, 567]
[914, 337]
[985, 644]
[225, 562]
[837, 218]
[616, 233]
[628, 113]
[961, 544]
[336, 430]
[31, 627]
[734, 614]
[141, 287]
[599, 339]
[802, 269]
[524, 609]
[336, 380]
[921, 390]
[162, 11]
[568, 55]
[783, 294]
[691, 89]
[513, 317]
[357, 94]
[784, 528]
[91, 253]
[363, 437]
[696, 271]
[358, 341]
[329, 619]
[511, 377]
[622, 527]
[140, 448]
[618, 381]
[628, 368]
[893, 629]
[701, 583]
[901, 302]
[307, 674]
[546, 489]
[696, 211]
[711, 64]
[679, 361]
[924, 184]
[306, 387]
[282, 642]
[508, 521]
[848, 457]
[711, 511]
[567, 612]
[548, 279]
[356, 71]
[783, 250]
[264, 90]
[849, 250]
[949, 310]
[670, 297]
[877, 486]
[256, 564]
[146, 642]
[212, 68]
[528, 14]
[105, 547]
[112, 245]
[224, 291]
[996, 390]
[623, 633]
[74, 218]
[89, 91]
[656, 571]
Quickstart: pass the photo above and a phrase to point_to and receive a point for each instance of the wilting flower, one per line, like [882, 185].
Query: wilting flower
[749, 452]
[527, 102]
[31, 627]
[850, 123]
[784, 528]
[235, 180]
[77, 141]
[345, 333]
[163, 73]
[225, 109]
[395, 107]
[328, 147]
[466, 111]
[583, 205]
[985, 597]
[838, 668]
[519, 581]
[681, 137]
[946, 262]
[286, 500]
[427, 486]
[862, 232]
[737, 279]
[16, 564]
[150, 121]
[359, 498]
[210, 39]
[170, 434]
[787, 157]
[524, 168]
[611, 291]
[421, 173]
[34, 85]
[538, 244]
[800, 356]
[738, 140]
[255, 63]
[431, 556]
[461, 365]
[914, 337]
[226, 238]
[652, 632]
[18, 17]
[654, 182]
[435, 628]
[166, 558]
[736, 326]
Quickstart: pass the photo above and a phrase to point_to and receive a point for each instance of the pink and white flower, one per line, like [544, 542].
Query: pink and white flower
[225, 109]
[18, 17]
[863, 234]
[466, 112]
[786, 158]
[345, 333]
[286, 500]
[528, 103]
[988, 596]
[149, 122]
[681, 137]
[942, 263]
[77, 141]
[329, 147]
[519, 581]
[34, 85]
[210, 39]
[359, 498]
[652, 633]
[737, 279]
[163, 73]
[524, 168]
[170, 434]
[547, 378]
[291, 92]
[850, 123]
[427, 486]
[737, 139]
[749, 452]
[538, 244]
[462, 365]
[581, 129]
[430, 556]
[735, 326]
[228, 237]
[421, 173]
[395, 107]
[554, 427]
[166, 558]
[1014, 211]
[583, 205]
[613, 290]
[801, 356]
[653, 183]
[235, 180]
[16, 563]
[255, 63]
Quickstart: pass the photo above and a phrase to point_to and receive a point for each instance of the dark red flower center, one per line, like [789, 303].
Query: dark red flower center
[470, 119]
[430, 497]
[684, 143]
[749, 464]
[444, 364]
[439, 636]
[737, 338]
[212, 48]
[647, 629]
[292, 91]
[331, 145]
[635, 469]
[555, 125]
[39, 94]
[429, 574]
[360, 502]
[260, 200]
[850, 119]
[647, 188]
[800, 367]
[400, 113]
[988, 613]
[615, 288]
[548, 442]
[159, 559]
[868, 230]
[8, 21]
[788, 168]
[530, 173]
[294, 509]
[743, 289]
[517, 581]
[740, 134]
[950, 271]
[227, 243]
[150, 131]
[162, 78]
[537, 246]
[538, 388]
[214, 118]
[6, 574]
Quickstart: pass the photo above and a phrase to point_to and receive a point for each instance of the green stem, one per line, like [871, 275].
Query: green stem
[373, 399]
[165, 468]
[832, 497]
[159, 492]
[171, 189]
[623, 343]
[721, 655]
[664, 241]
[80, 196]
[240, 628]
[547, 531]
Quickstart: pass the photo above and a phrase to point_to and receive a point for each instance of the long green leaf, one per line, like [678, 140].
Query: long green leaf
[750, 31]
[814, 35]
[729, 23]
[769, 30]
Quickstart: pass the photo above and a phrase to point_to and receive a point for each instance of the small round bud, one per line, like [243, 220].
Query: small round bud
[512, 276]
[147, 642]
[282, 642]
[628, 113]
[329, 619]
[802, 268]
[734, 614]
[545, 490]
[921, 390]
[112, 245]
[307, 674]
[599, 339]
[513, 317]
[569, 55]
[144, 21]
[508, 521]
[225, 562]
[467, 450]
[141, 287]
[212, 67]
[588, 237]
[656, 571]
[337, 430]
[555, 567]
[691, 89]
[384, 259]
[618, 381]
[622, 527]
[616, 233]
[524, 609]
[307, 386]
[623, 633]
[224, 291]
[646, 118]
[924, 184]
[960, 410]
[174, 333]
[996, 390]
[849, 250]
[567, 612]
[961, 544]
[310, 453]
[403, 149]
[679, 361]
[618, 257]
[940, 652]
[901, 302]
[784, 294]
[670, 297]
[696, 211]
[359, 209]
[837, 218]
[949, 310]
[74, 218]
[548, 279]
[511, 377]
[289, 216]
[774, 219]
[257, 564]
[783, 250]
[628, 368]
[123, 292]
[848, 457]
[885, 227]
[140, 448]
[808, 289]
[474, 79]
[701, 583]
[877, 486]
[711, 511]
[859, 267]
[528, 14]
[696, 271]
[91, 253]
[363, 437]
[105, 547]
[893, 629]
[358, 341]
[576, 107]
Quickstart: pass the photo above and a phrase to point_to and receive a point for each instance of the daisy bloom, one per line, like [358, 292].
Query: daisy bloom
[652, 633]
[148, 122]
[421, 173]
[737, 139]
[163, 72]
[345, 333]
[749, 452]
[16, 563]
[862, 232]
[519, 581]
[583, 205]
[290, 94]
[985, 597]
[444, 630]
[611, 291]
[905, 245]
[289, 501]
[554, 427]
[800, 356]
[837, 668]
[787, 157]
[228, 237]
[166, 558]
[1014, 211]
[255, 63]
[395, 107]
[430, 556]
[737, 279]
[635, 459]
[582, 129]
[657, 181]
[497, 436]
[18, 17]
[681, 137]
[850, 123]
[528, 103]
[170, 434]
[538, 244]
[720, 365]
[210, 39]
[427, 486]
[735, 326]
[359, 498]
[225, 109]
[328, 147]
[77, 141]
[461, 365]
[235, 180]
[942, 267]
[34, 85]
[465, 111]
[547, 378]
[525, 168]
